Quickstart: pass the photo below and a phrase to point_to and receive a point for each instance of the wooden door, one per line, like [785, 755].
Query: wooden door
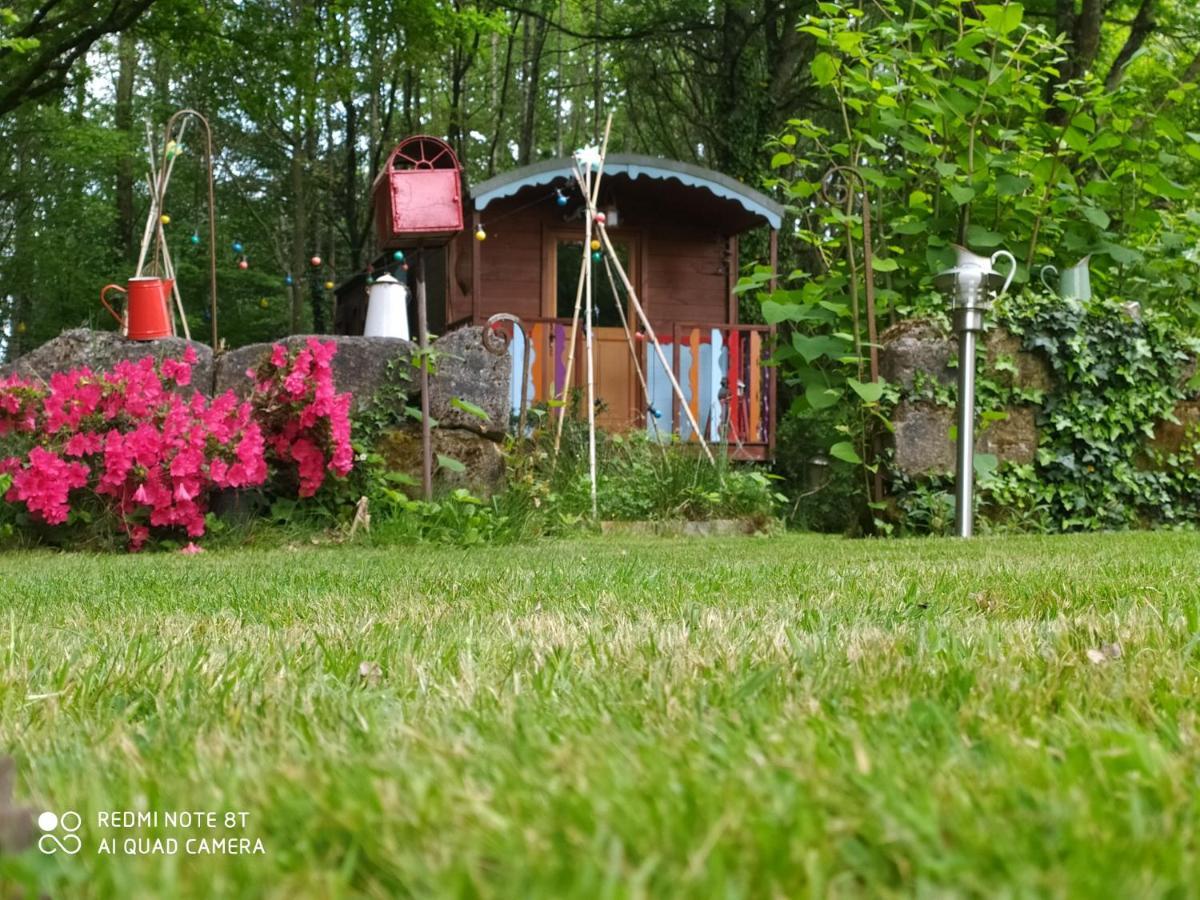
[616, 385]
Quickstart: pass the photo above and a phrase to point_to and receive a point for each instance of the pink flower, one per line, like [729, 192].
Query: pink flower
[191, 549]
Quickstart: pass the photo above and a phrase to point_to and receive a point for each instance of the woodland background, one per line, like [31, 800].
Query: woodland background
[306, 98]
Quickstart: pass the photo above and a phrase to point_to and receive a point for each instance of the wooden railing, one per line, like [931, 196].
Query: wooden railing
[722, 369]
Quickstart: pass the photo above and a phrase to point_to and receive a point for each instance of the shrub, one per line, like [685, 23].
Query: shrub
[125, 452]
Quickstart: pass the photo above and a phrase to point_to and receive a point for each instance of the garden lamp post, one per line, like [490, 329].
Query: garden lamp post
[972, 285]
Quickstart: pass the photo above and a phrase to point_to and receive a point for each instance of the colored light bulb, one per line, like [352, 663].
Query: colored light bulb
[398, 256]
[315, 261]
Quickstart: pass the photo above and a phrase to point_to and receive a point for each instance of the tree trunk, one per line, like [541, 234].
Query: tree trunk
[1143, 26]
[127, 68]
[300, 264]
[536, 40]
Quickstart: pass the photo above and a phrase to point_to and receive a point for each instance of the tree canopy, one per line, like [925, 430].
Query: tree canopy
[1068, 121]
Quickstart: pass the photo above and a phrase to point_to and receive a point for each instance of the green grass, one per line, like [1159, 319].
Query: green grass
[747, 718]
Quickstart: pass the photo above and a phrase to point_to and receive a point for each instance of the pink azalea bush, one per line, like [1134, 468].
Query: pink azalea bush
[307, 424]
[128, 445]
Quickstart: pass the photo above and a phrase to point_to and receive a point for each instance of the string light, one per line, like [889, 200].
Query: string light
[560, 198]
[243, 264]
[595, 244]
[398, 256]
[480, 234]
[237, 247]
[165, 219]
[195, 238]
[329, 285]
[315, 261]
[287, 279]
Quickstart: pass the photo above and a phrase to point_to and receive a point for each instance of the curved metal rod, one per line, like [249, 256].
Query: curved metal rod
[836, 190]
[496, 341]
[160, 196]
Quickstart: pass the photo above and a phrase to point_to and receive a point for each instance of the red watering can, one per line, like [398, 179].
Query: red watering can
[146, 310]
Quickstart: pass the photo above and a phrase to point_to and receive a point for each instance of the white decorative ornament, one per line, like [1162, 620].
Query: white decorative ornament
[588, 157]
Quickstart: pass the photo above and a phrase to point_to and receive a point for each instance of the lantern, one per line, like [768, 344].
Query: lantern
[418, 194]
[972, 285]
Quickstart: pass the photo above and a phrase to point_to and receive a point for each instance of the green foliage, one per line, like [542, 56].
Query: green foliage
[962, 130]
[1117, 377]
[638, 479]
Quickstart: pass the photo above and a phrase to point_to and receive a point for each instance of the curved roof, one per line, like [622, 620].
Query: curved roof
[633, 165]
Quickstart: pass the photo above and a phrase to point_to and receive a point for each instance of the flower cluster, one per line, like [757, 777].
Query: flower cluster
[306, 423]
[145, 453]
[128, 446]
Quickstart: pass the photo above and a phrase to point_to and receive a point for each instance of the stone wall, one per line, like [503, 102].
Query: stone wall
[464, 370]
[917, 353]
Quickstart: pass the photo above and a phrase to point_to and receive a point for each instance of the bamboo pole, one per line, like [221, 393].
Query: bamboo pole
[570, 368]
[637, 363]
[591, 355]
[169, 271]
[637, 307]
[562, 411]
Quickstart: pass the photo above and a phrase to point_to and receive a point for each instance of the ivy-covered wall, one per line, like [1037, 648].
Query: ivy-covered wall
[1088, 418]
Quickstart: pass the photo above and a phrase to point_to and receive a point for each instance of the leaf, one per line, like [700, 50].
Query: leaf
[1011, 185]
[469, 408]
[1097, 217]
[450, 464]
[849, 42]
[1123, 255]
[985, 464]
[782, 158]
[820, 396]
[978, 236]
[774, 313]
[961, 193]
[824, 68]
[1003, 18]
[814, 347]
[870, 391]
[887, 264]
[844, 451]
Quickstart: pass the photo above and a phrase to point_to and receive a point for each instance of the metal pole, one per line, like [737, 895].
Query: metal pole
[423, 345]
[967, 323]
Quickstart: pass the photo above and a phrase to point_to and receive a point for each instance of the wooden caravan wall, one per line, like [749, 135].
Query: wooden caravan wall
[684, 264]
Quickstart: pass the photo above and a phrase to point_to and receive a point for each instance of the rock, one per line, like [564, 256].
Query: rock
[919, 345]
[481, 457]
[1172, 437]
[924, 447]
[100, 350]
[921, 432]
[1012, 440]
[916, 345]
[361, 365]
[1033, 371]
[467, 371]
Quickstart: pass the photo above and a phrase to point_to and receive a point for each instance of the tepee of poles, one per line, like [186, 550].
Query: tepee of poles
[157, 180]
[588, 169]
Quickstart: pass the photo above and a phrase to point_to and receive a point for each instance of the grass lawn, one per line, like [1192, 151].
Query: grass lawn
[742, 718]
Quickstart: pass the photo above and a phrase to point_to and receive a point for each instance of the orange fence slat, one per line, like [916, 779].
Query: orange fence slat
[755, 384]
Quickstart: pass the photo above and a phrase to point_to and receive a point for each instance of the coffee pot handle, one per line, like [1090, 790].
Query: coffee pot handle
[1053, 270]
[1012, 260]
[104, 291]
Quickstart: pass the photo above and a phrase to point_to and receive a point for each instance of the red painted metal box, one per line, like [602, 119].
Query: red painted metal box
[418, 194]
